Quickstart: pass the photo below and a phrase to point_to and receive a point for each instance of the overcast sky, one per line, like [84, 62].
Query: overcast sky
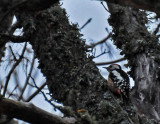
[80, 11]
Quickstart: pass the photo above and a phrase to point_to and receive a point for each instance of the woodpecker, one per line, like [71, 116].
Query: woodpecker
[118, 81]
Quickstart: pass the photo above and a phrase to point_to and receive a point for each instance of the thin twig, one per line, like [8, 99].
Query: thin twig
[13, 91]
[88, 21]
[17, 85]
[110, 62]
[7, 92]
[27, 79]
[13, 53]
[14, 66]
[17, 82]
[100, 42]
[100, 54]
[157, 29]
[104, 6]
[36, 92]
[40, 90]
[49, 101]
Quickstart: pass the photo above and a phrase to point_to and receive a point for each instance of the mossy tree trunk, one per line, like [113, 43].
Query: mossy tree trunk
[142, 49]
[73, 78]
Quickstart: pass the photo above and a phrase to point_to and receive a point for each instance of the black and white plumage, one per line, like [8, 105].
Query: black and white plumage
[118, 80]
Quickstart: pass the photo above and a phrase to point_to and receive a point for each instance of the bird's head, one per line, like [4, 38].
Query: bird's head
[113, 67]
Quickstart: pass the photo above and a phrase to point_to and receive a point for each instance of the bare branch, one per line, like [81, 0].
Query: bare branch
[110, 62]
[13, 53]
[100, 54]
[13, 91]
[157, 29]
[36, 92]
[29, 75]
[14, 66]
[104, 6]
[40, 90]
[8, 92]
[100, 42]
[88, 21]
[65, 109]
[29, 113]
[16, 80]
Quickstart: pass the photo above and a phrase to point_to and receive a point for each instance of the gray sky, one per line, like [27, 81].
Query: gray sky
[80, 11]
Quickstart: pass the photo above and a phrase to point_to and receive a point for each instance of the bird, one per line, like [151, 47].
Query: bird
[118, 81]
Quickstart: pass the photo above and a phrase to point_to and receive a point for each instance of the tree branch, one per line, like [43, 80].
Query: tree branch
[29, 113]
[11, 71]
[157, 29]
[13, 53]
[110, 62]
[14, 39]
[26, 82]
[104, 6]
[36, 92]
[88, 21]
[100, 42]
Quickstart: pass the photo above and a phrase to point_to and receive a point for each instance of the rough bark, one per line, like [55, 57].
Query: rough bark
[28, 112]
[143, 52]
[150, 5]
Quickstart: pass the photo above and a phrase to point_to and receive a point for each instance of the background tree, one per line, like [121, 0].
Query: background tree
[71, 76]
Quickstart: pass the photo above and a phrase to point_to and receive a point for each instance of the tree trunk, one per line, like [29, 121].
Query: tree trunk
[149, 5]
[143, 52]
